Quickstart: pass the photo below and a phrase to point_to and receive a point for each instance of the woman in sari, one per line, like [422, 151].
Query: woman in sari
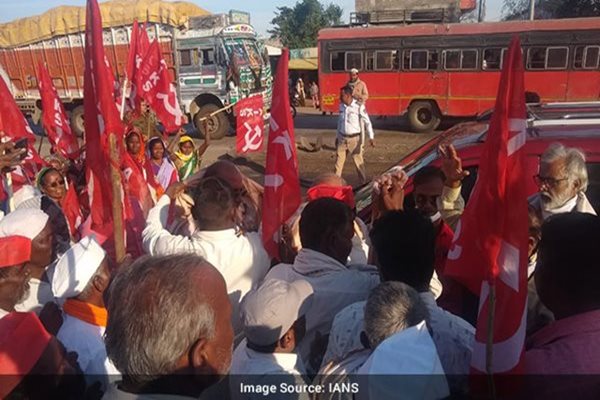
[187, 159]
[158, 164]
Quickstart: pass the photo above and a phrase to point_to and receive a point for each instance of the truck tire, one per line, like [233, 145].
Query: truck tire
[423, 116]
[77, 123]
[218, 125]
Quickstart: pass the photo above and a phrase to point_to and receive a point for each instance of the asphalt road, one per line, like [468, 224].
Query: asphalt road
[392, 141]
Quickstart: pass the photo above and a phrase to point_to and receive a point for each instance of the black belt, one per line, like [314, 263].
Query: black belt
[351, 135]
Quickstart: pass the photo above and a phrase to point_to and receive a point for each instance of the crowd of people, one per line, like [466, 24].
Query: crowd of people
[349, 309]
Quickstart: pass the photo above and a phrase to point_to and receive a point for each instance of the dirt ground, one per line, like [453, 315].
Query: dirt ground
[392, 141]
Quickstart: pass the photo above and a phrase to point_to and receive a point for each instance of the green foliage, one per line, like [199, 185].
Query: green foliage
[299, 26]
[545, 9]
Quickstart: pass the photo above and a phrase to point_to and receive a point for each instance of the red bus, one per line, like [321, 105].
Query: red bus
[427, 71]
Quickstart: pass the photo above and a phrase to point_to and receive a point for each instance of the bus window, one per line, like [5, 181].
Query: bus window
[416, 60]
[370, 60]
[354, 60]
[460, 60]
[536, 58]
[185, 58]
[492, 59]
[557, 57]
[452, 60]
[385, 60]
[586, 57]
[469, 59]
[337, 60]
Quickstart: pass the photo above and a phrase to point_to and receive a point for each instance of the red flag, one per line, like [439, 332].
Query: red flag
[250, 124]
[72, 210]
[158, 90]
[489, 253]
[282, 185]
[54, 118]
[138, 48]
[101, 119]
[15, 126]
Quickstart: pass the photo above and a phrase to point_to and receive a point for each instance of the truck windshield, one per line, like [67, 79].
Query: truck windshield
[243, 52]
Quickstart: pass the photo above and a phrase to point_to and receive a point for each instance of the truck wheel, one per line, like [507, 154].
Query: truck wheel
[423, 116]
[77, 123]
[218, 125]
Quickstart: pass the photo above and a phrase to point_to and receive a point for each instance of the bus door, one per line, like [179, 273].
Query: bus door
[584, 77]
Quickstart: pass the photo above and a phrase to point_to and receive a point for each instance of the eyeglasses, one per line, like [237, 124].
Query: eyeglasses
[548, 181]
[58, 183]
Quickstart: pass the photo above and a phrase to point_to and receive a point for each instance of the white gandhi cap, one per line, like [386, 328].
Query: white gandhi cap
[270, 311]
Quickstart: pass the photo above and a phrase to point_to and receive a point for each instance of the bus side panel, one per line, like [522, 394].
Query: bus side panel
[329, 87]
[384, 92]
[583, 86]
[551, 86]
[466, 90]
[423, 85]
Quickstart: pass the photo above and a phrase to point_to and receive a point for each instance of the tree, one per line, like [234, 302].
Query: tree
[299, 26]
[544, 9]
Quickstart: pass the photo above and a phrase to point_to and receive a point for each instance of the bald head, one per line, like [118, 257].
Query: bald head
[161, 309]
[329, 179]
[227, 171]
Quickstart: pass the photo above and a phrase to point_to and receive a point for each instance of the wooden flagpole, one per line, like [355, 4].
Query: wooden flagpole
[117, 199]
[123, 97]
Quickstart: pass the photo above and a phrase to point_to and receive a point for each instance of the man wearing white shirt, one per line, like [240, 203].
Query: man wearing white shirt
[79, 280]
[239, 257]
[274, 323]
[350, 136]
[326, 231]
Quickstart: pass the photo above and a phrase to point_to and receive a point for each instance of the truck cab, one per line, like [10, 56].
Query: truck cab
[219, 62]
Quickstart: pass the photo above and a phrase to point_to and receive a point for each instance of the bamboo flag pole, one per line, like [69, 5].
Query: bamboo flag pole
[123, 97]
[117, 201]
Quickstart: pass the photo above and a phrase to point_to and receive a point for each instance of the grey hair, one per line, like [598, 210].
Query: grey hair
[391, 308]
[156, 312]
[574, 162]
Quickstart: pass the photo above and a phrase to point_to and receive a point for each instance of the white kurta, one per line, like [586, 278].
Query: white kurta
[335, 286]
[241, 259]
[253, 368]
[87, 341]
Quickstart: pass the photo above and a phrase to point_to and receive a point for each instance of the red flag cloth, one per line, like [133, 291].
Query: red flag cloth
[490, 246]
[158, 90]
[138, 48]
[250, 124]
[72, 209]
[282, 186]
[101, 119]
[54, 118]
[14, 126]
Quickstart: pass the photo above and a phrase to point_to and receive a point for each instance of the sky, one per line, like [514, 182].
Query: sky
[261, 11]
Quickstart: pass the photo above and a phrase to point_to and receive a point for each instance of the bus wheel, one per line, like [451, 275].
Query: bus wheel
[423, 116]
[77, 125]
[218, 125]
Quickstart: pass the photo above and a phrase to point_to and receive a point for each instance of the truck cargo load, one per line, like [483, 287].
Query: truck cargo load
[214, 60]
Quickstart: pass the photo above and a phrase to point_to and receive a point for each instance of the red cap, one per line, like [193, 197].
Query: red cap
[23, 339]
[14, 250]
[342, 193]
